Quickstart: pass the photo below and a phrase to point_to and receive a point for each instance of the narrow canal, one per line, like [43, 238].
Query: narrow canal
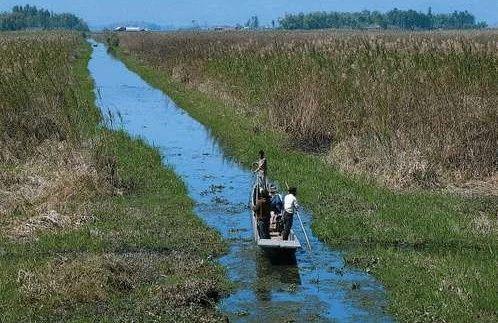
[318, 288]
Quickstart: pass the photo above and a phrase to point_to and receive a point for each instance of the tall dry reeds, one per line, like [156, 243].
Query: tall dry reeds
[39, 99]
[46, 118]
[410, 108]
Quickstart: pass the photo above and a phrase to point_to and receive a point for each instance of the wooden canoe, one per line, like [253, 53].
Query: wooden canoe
[276, 243]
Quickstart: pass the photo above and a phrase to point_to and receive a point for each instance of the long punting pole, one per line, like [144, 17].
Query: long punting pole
[304, 231]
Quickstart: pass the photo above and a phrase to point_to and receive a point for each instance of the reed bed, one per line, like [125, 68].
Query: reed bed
[39, 99]
[411, 109]
[45, 125]
[434, 252]
[92, 225]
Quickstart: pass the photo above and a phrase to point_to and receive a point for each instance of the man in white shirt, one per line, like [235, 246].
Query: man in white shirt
[290, 207]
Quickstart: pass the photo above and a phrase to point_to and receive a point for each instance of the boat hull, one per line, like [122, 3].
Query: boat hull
[275, 245]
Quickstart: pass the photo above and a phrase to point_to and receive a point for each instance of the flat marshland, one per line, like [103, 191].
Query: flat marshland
[409, 109]
[93, 227]
[376, 129]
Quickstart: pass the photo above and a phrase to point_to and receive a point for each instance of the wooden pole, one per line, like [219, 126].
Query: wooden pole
[304, 231]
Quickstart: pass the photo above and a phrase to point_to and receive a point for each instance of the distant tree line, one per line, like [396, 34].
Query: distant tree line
[252, 23]
[395, 19]
[30, 17]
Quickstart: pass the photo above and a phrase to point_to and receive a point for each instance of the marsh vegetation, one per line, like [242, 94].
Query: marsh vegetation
[413, 110]
[93, 226]
[410, 109]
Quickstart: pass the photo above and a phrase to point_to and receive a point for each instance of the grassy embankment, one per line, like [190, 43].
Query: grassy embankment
[435, 253]
[93, 226]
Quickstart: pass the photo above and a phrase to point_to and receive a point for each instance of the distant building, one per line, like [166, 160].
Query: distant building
[130, 29]
[373, 27]
[223, 28]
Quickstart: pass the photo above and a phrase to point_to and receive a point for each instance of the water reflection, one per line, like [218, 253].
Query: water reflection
[273, 273]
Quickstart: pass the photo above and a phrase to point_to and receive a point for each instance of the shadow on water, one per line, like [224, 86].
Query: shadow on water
[312, 287]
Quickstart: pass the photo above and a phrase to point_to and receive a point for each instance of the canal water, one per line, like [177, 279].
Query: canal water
[319, 287]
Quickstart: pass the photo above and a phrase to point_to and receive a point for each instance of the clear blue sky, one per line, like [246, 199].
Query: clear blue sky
[212, 12]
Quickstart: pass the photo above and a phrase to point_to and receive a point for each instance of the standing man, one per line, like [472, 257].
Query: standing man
[261, 170]
[262, 210]
[290, 207]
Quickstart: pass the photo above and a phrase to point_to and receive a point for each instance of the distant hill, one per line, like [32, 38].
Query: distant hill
[30, 17]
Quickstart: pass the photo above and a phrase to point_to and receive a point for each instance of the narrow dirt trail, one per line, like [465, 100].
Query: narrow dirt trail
[318, 288]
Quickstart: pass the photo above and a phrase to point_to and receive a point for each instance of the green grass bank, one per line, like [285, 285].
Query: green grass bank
[434, 253]
[126, 248]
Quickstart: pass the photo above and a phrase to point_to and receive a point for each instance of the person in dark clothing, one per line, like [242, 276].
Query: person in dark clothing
[262, 210]
[288, 221]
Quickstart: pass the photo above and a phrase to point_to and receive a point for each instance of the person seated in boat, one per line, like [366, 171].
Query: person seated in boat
[262, 210]
[261, 168]
[276, 205]
[290, 208]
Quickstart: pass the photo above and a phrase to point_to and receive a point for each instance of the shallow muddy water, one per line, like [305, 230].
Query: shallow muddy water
[317, 288]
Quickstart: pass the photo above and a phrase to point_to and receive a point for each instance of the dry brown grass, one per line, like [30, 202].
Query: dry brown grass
[408, 108]
[433, 252]
[40, 193]
[94, 280]
[47, 162]
[40, 98]
[72, 246]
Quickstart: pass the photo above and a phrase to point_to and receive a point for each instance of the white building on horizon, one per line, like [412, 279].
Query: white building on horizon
[129, 28]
